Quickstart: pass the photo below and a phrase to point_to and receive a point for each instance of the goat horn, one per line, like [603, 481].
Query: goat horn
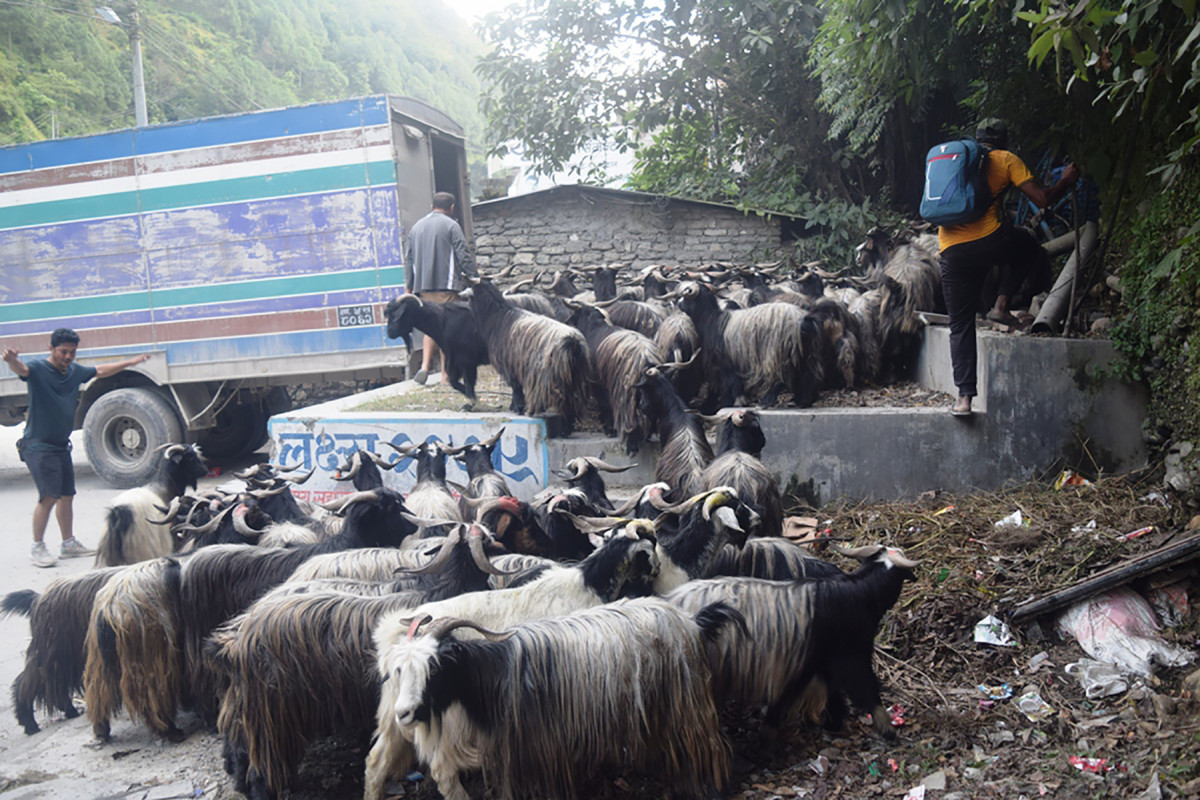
[680, 364]
[900, 560]
[594, 524]
[168, 513]
[268, 492]
[577, 467]
[438, 562]
[633, 502]
[713, 419]
[495, 437]
[241, 526]
[606, 467]
[169, 449]
[475, 543]
[207, 527]
[252, 472]
[405, 450]
[358, 497]
[518, 286]
[715, 498]
[452, 450]
[299, 478]
[380, 461]
[439, 628]
[859, 553]
[602, 304]
[354, 465]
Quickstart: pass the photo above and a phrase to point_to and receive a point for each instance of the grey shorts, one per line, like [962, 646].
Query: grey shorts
[52, 471]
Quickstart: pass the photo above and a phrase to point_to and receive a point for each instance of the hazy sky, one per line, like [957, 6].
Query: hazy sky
[471, 10]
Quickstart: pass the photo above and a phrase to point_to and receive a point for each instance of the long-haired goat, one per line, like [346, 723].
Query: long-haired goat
[430, 497]
[130, 535]
[54, 660]
[809, 642]
[219, 582]
[623, 567]
[740, 443]
[545, 362]
[620, 357]
[773, 347]
[547, 703]
[134, 656]
[479, 460]
[300, 666]
[684, 449]
[452, 326]
[583, 473]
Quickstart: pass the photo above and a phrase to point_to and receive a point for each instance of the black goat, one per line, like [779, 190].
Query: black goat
[453, 327]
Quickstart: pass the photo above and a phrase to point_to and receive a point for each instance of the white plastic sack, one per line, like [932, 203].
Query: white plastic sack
[1097, 678]
[1118, 627]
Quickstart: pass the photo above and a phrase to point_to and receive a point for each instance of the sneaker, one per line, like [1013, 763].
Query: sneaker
[73, 548]
[42, 557]
[421, 376]
[961, 407]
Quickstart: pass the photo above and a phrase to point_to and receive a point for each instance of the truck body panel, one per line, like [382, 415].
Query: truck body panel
[258, 248]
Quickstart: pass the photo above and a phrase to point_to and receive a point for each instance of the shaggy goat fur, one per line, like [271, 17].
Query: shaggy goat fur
[678, 340]
[129, 535]
[772, 558]
[621, 357]
[545, 362]
[622, 567]
[134, 656]
[54, 660]
[772, 347]
[550, 702]
[684, 449]
[805, 638]
[222, 581]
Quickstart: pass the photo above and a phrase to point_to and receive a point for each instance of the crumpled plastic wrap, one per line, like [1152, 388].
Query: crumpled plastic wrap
[1118, 627]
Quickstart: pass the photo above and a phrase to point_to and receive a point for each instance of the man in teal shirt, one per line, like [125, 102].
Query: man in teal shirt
[53, 397]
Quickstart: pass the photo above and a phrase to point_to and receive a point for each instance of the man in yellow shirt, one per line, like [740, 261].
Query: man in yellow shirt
[970, 250]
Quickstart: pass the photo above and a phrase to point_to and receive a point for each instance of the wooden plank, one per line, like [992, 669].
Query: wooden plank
[1117, 575]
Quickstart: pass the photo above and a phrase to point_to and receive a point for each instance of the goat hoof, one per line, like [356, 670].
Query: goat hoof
[32, 728]
[71, 712]
[467, 407]
[174, 735]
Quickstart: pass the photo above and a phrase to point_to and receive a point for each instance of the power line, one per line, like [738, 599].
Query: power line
[161, 30]
[174, 59]
[45, 7]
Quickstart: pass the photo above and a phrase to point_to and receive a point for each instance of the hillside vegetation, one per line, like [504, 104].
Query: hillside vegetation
[66, 72]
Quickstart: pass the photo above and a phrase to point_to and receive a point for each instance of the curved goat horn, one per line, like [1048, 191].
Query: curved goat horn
[169, 512]
[606, 467]
[297, 479]
[438, 562]
[207, 527]
[475, 543]
[439, 628]
[354, 465]
[241, 526]
[858, 553]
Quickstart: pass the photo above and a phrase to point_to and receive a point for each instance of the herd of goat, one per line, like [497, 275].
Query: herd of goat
[465, 630]
[724, 337]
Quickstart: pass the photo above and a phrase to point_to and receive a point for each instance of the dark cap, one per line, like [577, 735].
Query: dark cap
[993, 132]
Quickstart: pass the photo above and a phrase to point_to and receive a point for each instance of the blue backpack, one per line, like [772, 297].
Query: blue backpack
[956, 189]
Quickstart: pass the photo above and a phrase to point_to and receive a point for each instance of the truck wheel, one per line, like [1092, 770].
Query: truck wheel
[121, 432]
[240, 430]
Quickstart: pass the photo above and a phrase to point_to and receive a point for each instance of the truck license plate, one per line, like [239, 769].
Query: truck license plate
[355, 315]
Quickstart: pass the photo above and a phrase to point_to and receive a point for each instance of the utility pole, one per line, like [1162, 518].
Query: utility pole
[135, 39]
[139, 81]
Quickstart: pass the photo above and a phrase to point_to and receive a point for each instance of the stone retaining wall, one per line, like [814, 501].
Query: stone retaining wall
[568, 227]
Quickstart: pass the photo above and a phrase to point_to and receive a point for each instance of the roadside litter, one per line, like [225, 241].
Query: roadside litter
[1118, 627]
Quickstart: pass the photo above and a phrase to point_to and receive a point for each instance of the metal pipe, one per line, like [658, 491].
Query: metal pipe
[1054, 309]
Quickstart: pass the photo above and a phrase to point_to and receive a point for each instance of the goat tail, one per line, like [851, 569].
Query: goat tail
[20, 602]
[713, 618]
[111, 550]
[102, 676]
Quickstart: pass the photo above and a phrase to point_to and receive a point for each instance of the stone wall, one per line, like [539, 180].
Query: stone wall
[572, 227]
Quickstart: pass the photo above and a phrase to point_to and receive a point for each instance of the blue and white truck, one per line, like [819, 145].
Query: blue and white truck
[245, 253]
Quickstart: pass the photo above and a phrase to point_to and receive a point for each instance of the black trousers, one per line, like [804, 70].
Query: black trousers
[964, 269]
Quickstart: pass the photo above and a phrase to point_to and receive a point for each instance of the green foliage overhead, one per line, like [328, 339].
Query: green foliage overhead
[63, 71]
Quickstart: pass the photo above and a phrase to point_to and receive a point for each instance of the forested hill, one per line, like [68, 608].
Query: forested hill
[65, 72]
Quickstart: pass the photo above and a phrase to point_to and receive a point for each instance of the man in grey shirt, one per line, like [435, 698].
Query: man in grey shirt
[435, 261]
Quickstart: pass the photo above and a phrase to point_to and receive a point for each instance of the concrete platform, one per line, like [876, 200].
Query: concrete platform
[1044, 404]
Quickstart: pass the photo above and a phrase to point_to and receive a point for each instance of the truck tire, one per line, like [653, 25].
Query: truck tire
[240, 430]
[123, 429]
